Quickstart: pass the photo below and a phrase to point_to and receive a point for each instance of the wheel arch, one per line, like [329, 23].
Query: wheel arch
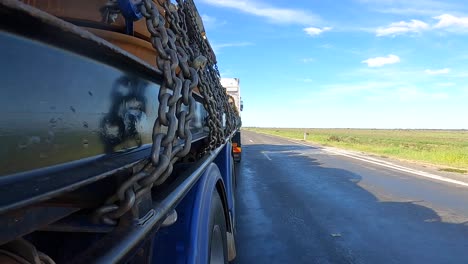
[226, 190]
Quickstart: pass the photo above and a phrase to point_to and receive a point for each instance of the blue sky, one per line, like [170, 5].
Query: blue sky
[347, 63]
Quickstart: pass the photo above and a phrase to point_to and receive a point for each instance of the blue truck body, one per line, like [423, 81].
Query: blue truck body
[77, 119]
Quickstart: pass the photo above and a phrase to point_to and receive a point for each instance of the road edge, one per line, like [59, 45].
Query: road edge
[365, 158]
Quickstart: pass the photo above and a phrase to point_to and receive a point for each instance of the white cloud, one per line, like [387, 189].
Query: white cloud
[218, 47]
[326, 46]
[437, 72]
[273, 14]
[402, 27]
[381, 61]
[413, 7]
[313, 31]
[211, 22]
[408, 11]
[233, 44]
[447, 21]
[308, 60]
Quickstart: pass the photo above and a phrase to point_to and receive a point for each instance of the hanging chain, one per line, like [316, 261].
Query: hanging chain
[187, 61]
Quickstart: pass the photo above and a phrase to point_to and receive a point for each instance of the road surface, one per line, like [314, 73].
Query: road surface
[302, 204]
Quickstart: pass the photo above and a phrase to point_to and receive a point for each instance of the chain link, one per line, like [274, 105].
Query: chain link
[187, 61]
[110, 11]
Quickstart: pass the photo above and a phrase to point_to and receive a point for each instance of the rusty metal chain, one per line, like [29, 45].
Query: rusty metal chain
[187, 61]
[216, 101]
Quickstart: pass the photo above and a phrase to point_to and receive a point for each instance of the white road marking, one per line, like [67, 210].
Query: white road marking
[401, 168]
[266, 155]
[251, 141]
[388, 165]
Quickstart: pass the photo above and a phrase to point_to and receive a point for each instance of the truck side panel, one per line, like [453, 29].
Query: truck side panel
[187, 240]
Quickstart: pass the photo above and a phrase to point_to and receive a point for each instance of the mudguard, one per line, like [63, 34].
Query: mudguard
[225, 163]
[187, 240]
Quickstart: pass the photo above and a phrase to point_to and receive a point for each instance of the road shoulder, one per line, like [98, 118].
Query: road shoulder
[414, 168]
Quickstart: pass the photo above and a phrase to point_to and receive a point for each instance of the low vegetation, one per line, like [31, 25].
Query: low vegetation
[445, 148]
[453, 170]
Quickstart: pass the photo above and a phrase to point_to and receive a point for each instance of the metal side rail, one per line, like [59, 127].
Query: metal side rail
[60, 94]
[117, 245]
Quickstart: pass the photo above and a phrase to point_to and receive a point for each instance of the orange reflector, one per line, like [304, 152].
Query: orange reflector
[236, 149]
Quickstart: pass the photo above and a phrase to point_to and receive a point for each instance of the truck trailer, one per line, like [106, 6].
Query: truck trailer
[117, 139]
[232, 86]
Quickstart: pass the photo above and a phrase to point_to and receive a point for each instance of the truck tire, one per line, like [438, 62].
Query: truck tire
[218, 238]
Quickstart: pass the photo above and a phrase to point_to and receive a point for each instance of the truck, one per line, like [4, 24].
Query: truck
[117, 139]
[232, 86]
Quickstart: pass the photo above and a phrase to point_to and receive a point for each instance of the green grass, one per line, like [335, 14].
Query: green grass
[453, 170]
[438, 147]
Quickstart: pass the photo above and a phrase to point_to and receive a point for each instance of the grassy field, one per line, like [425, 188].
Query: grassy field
[448, 149]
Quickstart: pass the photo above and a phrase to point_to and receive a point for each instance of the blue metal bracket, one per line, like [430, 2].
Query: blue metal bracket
[130, 10]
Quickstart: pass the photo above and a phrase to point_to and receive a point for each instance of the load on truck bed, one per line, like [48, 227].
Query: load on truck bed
[116, 135]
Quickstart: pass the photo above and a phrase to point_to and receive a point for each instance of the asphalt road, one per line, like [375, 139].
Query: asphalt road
[301, 204]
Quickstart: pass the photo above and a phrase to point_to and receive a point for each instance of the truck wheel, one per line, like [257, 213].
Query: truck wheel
[218, 238]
